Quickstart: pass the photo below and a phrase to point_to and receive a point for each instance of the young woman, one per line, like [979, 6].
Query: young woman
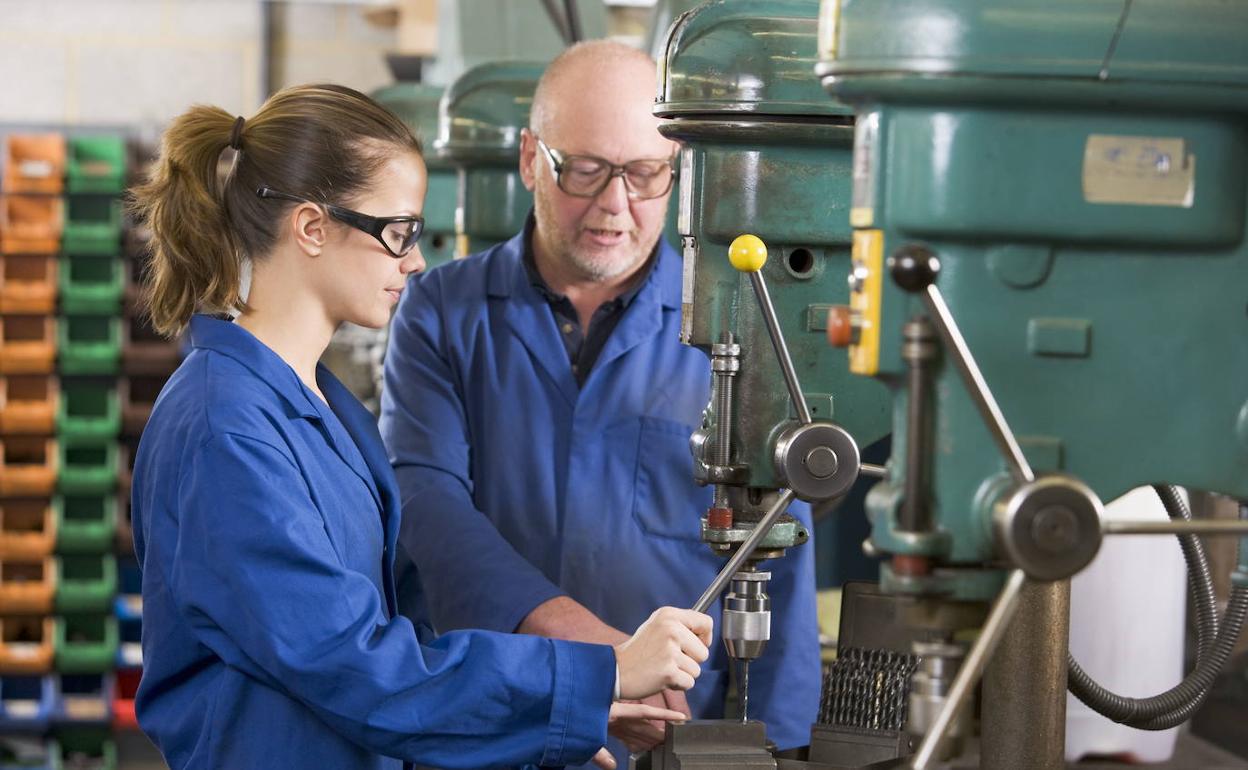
[265, 511]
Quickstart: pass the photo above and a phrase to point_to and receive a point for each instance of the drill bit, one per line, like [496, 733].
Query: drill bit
[745, 689]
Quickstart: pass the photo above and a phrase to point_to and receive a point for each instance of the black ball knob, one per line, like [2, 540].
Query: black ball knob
[914, 267]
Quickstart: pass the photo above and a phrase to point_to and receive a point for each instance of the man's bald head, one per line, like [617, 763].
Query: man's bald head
[595, 101]
[587, 74]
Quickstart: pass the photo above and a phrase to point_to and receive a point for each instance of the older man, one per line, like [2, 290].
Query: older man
[538, 405]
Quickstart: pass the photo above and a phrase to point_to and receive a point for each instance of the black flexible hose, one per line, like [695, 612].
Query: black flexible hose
[1215, 641]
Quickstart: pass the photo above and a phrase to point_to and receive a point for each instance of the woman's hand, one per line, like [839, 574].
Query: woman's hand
[665, 653]
[624, 716]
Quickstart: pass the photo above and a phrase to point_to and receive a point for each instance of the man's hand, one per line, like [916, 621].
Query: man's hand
[638, 714]
[664, 653]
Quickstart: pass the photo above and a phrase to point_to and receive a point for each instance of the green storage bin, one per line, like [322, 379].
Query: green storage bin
[92, 226]
[92, 284]
[87, 584]
[85, 524]
[87, 466]
[86, 644]
[97, 752]
[88, 409]
[96, 164]
[89, 344]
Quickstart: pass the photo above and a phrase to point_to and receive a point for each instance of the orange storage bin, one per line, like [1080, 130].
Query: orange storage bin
[26, 644]
[136, 283]
[34, 163]
[31, 225]
[145, 351]
[125, 526]
[27, 466]
[138, 396]
[27, 586]
[28, 283]
[27, 528]
[28, 404]
[27, 344]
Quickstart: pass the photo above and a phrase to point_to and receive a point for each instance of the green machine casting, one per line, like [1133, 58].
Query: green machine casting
[760, 148]
[1049, 266]
[479, 123]
[763, 220]
[417, 104]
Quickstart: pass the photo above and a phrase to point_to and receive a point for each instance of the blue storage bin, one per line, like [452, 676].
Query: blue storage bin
[26, 703]
[83, 700]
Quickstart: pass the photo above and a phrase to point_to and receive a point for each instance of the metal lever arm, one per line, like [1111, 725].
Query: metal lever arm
[744, 551]
[1198, 527]
[973, 667]
[748, 254]
[915, 268]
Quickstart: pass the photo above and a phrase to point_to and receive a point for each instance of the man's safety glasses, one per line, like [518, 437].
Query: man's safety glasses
[585, 176]
[397, 234]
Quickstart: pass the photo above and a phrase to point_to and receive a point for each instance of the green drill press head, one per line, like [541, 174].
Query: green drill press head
[1078, 170]
[764, 152]
[479, 123]
[417, 105]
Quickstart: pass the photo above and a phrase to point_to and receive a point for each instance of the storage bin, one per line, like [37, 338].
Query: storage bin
[82, 700]
[125, 529]
[128, 608]
[27, 528]
[87, 584]
[28, 752]
[93, 751]
[27, 586]
[126, 451]
[90, 344]
[138, 394]
[31, 224]
[28, 283]
[85, 524]
[125, 689]
[86, 643]
[96, 164]
[28, 466]
[27, 344]
[87, 467]
[92, 226]
[26, 703]
[26, 644]
[91, 285]
[90, 409]
[34, 163]
[28, 404]
[145, 351]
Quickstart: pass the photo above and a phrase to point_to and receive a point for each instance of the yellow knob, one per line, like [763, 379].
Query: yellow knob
[748, 253]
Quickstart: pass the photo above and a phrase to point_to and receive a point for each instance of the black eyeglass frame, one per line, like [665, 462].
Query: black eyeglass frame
[374, 226]
[558, 159]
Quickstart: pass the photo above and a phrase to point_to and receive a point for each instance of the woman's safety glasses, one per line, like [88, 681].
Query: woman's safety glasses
[397, 234]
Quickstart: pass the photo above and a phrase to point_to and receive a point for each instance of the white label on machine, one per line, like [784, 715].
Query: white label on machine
[1138, 171]
[689, 250]
[684, 220]
[866, 135]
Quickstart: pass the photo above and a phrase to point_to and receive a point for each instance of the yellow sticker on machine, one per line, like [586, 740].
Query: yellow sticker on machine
[864, 300]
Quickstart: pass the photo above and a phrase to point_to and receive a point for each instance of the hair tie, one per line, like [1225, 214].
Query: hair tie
[236, 134]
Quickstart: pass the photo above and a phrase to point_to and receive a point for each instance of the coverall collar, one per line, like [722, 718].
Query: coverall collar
[230, 339]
